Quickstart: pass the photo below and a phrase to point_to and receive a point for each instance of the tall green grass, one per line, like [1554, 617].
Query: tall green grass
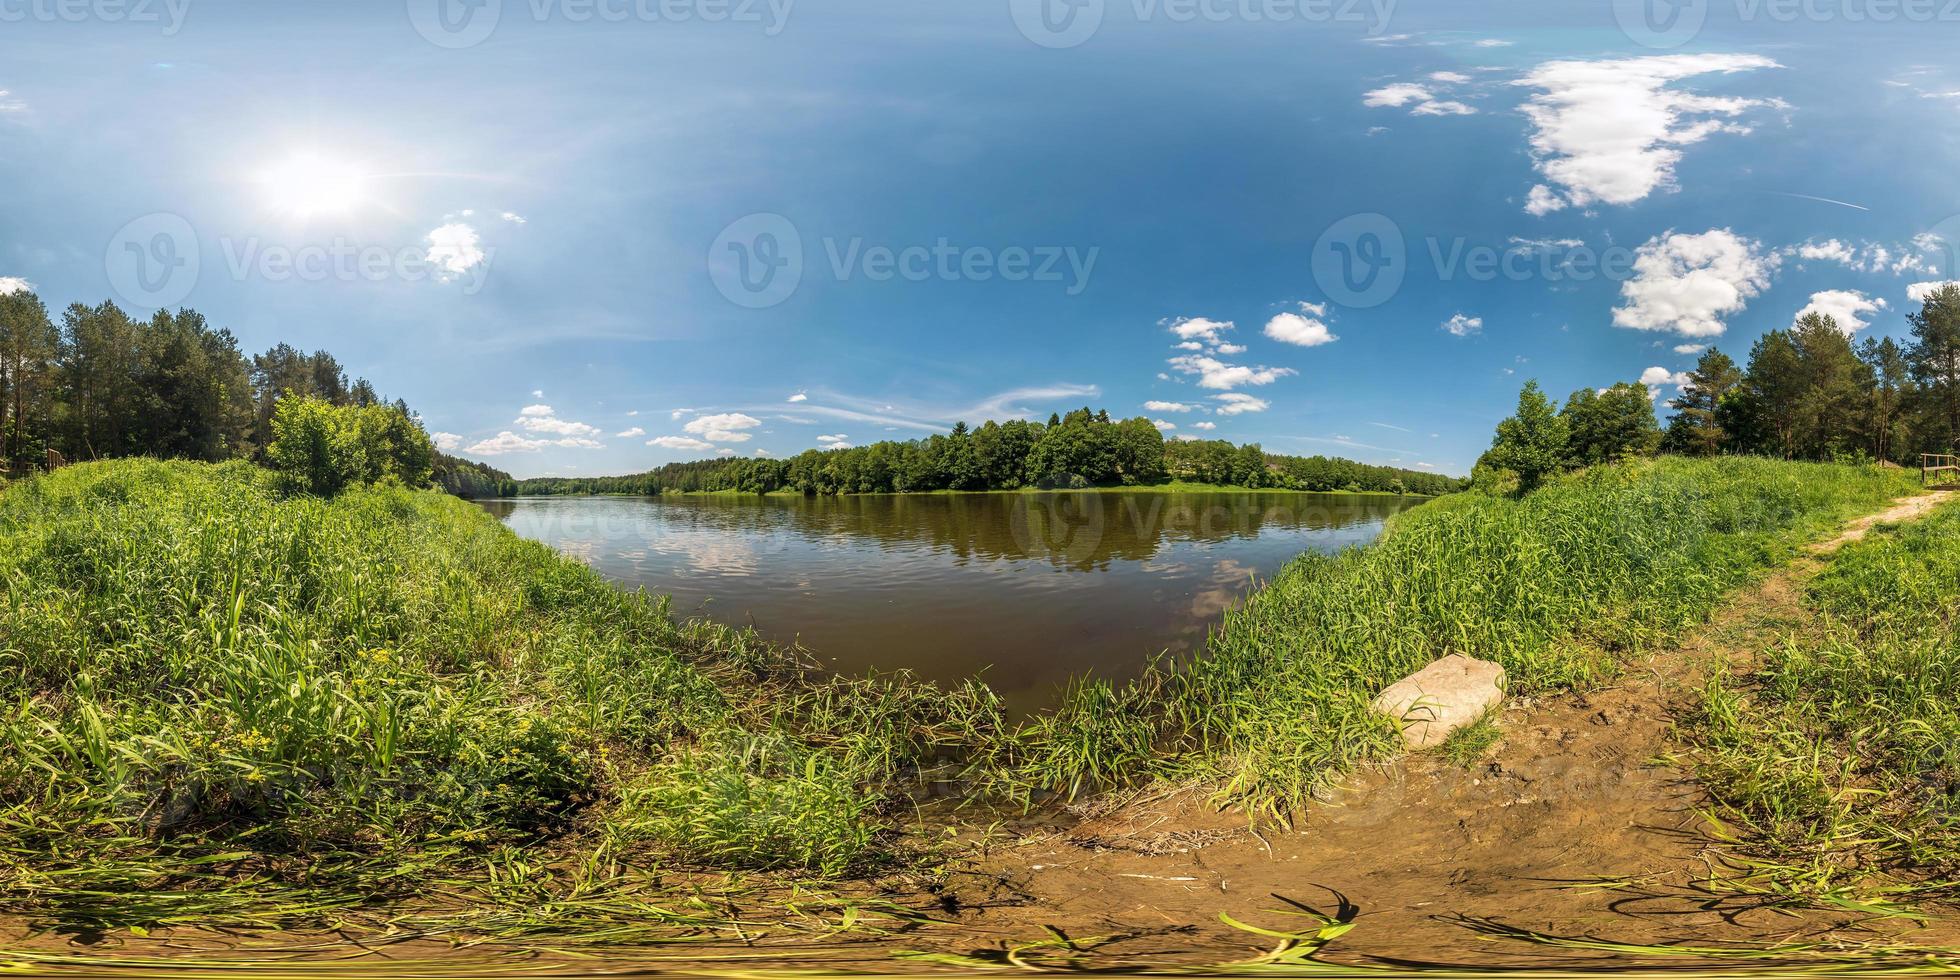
[1837, 760]
[1557, 587]
[222, 704]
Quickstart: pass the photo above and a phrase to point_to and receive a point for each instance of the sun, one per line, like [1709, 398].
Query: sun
[307, 183]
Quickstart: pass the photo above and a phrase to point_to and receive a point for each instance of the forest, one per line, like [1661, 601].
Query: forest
[1074, 451]
[1808, 392]
[100, 384]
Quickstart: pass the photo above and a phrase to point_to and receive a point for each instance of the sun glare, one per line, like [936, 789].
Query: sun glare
[307, 184]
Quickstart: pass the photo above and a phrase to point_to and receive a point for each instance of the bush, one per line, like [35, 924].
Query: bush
[322, 449]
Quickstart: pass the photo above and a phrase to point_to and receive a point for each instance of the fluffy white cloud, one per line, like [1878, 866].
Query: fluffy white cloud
[726, 427]
[1612, 131]
[514, 218]
[446, 441]
[724, 451]
[799, 397]
[455, 249]
[547, 423]
[1449, 77]
[10, 285]
[1229, 349]
[10, 104]
[1662, 376]
[1199, 328]
[1163, 426]
[1848, 307]
[831, 440]
[510, 442]
[763, 452]
[1690, 348]
[1459, 325]
[1918, 291]
[631, 433]
[1207, 426]
[680, 442]
[1236, 403]
[1158, 406]
[1687, 283]
[1420, 99]
[1305, 328]
[1828, 251]
[1214, 373]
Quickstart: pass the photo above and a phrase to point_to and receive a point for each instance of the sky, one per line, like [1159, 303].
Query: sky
[592, 236]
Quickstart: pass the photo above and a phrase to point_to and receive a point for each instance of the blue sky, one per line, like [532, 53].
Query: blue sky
[534, 227]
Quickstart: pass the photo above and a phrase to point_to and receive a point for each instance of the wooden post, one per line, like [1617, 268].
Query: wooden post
[56, 460]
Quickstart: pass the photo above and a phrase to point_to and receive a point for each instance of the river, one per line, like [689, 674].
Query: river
[1023, 590]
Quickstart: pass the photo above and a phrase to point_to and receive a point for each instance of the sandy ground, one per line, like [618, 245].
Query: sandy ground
[1573, 826]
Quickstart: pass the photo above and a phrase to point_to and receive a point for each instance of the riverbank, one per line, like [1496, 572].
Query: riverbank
[384, 712]
[1175, 486]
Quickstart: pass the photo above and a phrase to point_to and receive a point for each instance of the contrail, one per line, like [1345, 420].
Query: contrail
[1826, 200]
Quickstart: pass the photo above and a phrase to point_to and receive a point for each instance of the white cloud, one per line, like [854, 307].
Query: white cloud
[536, 411]
[1690, 348]
[552, 426]
[1459, 325]
[454, 249]
[1207, 426]
[724, 451]
[1229, 349]
[1186, 437]
[1687, 283]
[1214, 373]
[1849, 307]
[1157, 406]
[1190, 345]
[10, 285]
[1662, 376]
[679, 413]
[1491, 42]
[1829, 251]
[446, 441]
[763, 452]
[513, 217]
[1238, 404]
[1612, 131]
[1919, 291]
[799, 397]
[1304, 329]
[631, 433]
[1449, 77]
[1163, 426]
[511, 442]
[633, 414]
[833, 439]
[1420, 99]
[1397, 95]
[680, 442]
[726, 427]
[1198, 328]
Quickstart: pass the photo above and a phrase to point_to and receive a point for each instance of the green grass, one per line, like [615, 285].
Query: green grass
[223, 705]
[1558, 587]
[1836, 763]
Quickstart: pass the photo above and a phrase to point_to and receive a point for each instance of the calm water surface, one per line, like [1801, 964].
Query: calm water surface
[1025, 590]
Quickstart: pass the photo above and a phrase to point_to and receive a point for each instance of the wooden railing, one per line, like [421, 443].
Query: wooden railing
[1931, 463]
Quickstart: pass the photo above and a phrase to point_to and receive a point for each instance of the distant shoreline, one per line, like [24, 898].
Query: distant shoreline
[1162, 488]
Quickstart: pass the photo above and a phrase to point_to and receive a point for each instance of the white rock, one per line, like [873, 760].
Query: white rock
[1441, 698]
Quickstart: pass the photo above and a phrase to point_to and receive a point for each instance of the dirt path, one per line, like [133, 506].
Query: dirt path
[1574, 825]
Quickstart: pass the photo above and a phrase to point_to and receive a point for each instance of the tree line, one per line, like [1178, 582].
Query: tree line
[1807, 392]
[100, 384]
[1081, 449]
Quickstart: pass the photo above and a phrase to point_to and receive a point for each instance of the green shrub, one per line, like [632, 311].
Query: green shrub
[323, 448]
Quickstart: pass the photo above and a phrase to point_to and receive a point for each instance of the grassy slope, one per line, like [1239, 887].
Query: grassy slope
[1555, 587]
[227, 706]
[1837, 758]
